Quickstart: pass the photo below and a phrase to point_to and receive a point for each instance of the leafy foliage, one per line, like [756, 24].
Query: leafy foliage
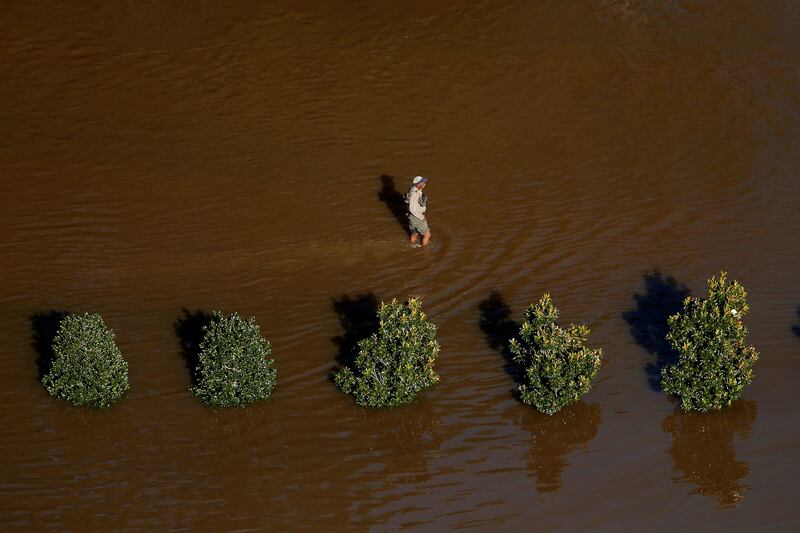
[715, 362]
[233, 369]
[88, 368]
[396, 363]
[559, 368]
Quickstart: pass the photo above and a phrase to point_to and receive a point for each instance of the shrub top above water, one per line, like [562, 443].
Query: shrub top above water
[88, 368]
[396, 363]
[558, 366]
[233, 367]
[715, 363]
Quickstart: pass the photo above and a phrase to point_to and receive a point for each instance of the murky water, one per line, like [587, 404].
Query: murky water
[161, 160]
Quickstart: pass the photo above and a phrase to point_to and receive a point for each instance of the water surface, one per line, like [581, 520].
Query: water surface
[158, 160]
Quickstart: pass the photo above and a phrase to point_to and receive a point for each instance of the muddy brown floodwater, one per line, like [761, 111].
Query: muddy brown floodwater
[160, 159]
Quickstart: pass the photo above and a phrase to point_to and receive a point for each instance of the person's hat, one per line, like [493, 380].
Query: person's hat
[419, 179]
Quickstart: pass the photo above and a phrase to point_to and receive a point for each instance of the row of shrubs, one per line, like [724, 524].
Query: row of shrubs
[396, 363]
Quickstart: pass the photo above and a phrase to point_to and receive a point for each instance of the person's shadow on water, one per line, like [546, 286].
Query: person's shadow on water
[45, 326]
[394, 200]
[499, 328]
[662, 298]
[358, 316]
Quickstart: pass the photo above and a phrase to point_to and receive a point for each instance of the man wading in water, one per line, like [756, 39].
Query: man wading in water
[417, 204]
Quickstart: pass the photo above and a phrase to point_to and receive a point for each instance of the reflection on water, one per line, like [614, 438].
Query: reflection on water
[234, 432]
[397, 449]
[553, 437]
[663, 297]
[403, 445]
[702, 450]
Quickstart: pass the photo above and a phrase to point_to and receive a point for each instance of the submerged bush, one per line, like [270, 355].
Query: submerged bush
[88, 368]
[558, 367]
[232, 368]
[715, 362]
[396, 363]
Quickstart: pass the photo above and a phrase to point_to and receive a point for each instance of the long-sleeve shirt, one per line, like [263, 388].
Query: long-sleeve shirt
[414, 206]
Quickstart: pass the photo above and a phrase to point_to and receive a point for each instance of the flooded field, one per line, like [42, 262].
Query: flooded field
[159, 160]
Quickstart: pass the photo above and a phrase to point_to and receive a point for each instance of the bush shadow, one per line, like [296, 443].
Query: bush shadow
[45, 326]
[663, 297]
[394, 200]
[499, 328]
[796, 328]
[553, 437]
[358, 317]
[703, 453]
[189, 329]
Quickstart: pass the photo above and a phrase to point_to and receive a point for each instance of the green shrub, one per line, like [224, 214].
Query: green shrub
[88, 368]
[558, 367]
[396, 363]
[232, 368]
[715, 363]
